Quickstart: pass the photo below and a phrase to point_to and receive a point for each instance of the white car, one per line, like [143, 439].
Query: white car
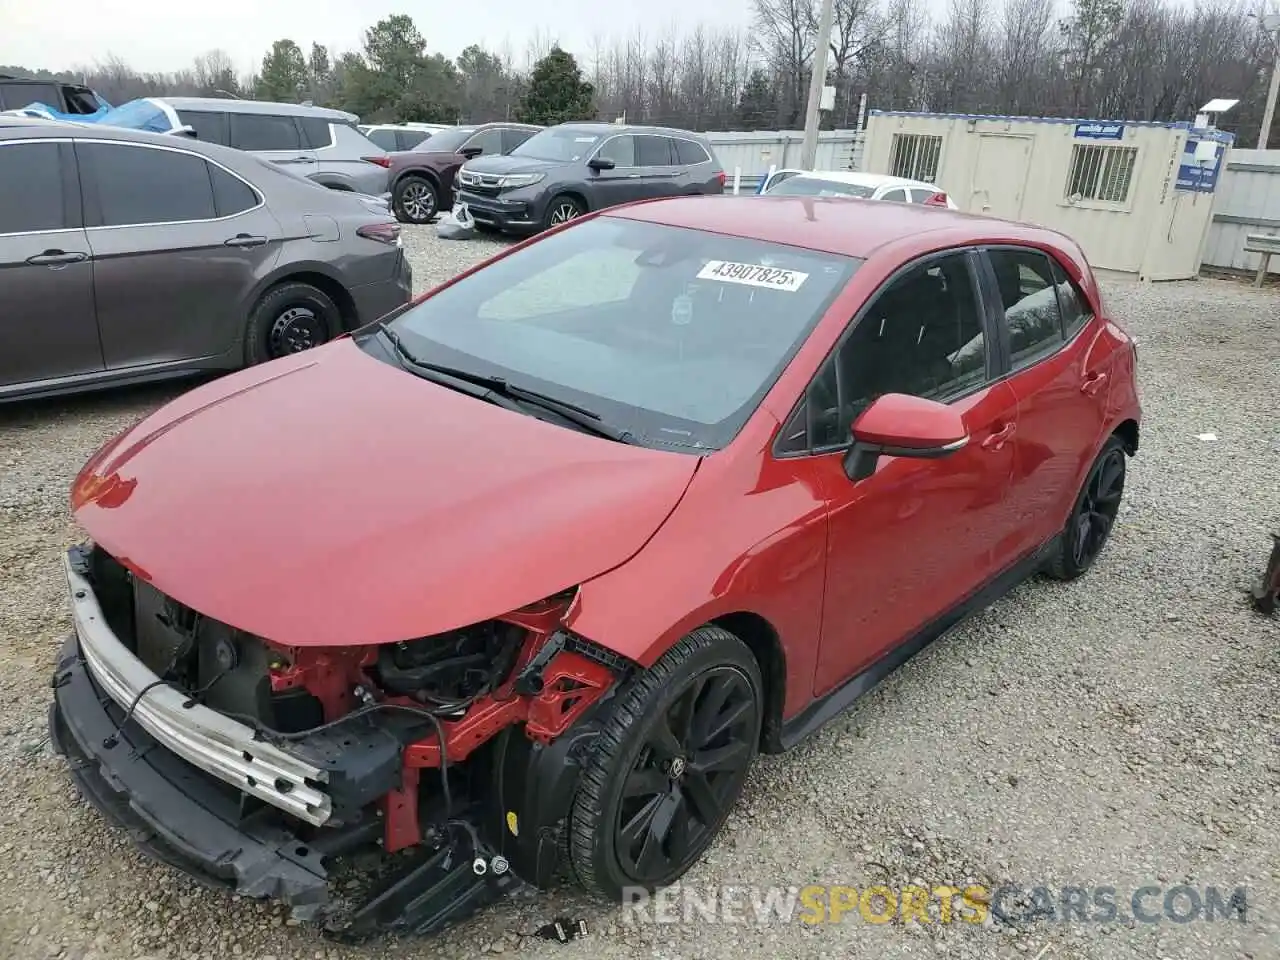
[847, 183]
[393, 137]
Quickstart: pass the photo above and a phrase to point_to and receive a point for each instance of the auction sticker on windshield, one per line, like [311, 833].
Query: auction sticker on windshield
[753, 275]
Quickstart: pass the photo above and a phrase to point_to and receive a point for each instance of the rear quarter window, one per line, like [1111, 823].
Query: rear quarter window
[689, 153]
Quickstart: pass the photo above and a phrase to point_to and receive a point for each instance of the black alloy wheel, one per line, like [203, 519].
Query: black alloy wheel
[684, 780]
[1094, 515]
[669, 766]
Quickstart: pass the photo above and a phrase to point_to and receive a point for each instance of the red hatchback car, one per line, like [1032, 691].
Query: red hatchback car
[530, 571]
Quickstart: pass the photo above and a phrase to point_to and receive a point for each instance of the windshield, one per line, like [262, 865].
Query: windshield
[138, 115]
[817, 187]
[671, 333]
[446, 141]
[558, 144]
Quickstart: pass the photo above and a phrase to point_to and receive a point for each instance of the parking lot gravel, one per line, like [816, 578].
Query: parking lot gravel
[1120, 731]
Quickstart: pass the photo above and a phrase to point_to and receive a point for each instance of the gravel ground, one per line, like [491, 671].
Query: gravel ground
[1120, 731]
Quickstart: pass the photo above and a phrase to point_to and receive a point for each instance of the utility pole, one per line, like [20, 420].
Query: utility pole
[818, 80]
[1270, 23]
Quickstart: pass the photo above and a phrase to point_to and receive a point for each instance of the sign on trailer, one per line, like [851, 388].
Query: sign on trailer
[1100, 131]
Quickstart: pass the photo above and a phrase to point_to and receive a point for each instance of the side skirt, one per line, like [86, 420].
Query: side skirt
[818, 713]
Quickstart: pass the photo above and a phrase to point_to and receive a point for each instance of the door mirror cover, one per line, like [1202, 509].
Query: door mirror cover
[898, 425]
[600, 163]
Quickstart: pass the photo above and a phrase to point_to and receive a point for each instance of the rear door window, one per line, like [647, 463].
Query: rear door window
[1029, 296]
[210, 127]
[919, 195]
[386, 139]
[653, 151]
[264, 131]
[407, 139]
[137, 185]
[897, 195]
[1074, 307]
[30, 188]
[315, 133]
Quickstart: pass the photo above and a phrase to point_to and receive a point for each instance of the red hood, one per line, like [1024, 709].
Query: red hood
[331, 499]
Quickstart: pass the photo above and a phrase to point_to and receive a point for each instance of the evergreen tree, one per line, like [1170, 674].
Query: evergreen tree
[284, 73]
[557, 93]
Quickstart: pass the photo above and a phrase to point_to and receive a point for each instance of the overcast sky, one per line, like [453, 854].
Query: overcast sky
[168, 34]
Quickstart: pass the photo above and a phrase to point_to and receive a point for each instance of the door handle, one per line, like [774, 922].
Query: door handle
[999, 438]
[1093, 383]
[53, 258]
[244, 240]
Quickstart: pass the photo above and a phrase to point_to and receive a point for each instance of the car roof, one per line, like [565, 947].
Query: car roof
[599, 127]
[859, 179]
[227, 105]
[845, 225]
[27, 128]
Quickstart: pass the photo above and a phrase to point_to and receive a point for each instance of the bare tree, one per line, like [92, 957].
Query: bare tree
[786, 37]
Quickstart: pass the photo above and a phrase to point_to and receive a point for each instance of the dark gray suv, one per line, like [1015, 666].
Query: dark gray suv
[567, 170]
[129, 256]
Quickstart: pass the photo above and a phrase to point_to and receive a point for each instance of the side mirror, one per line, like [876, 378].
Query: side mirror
[897, 425]
[600, 163]
[184, 131]
[471, 152]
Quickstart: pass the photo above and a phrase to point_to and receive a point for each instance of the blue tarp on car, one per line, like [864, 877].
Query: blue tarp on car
[46, 111]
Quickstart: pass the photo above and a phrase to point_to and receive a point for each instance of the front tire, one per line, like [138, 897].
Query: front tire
[415, 200]
[562, 209]
[1092, 516]
[290, 318]
[668, 767]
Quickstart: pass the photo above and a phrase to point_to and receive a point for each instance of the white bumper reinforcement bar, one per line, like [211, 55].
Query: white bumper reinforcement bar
[220, 746]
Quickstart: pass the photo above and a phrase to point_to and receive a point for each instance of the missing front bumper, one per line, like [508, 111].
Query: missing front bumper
[176, 813]
[182, 817]
[216, 744]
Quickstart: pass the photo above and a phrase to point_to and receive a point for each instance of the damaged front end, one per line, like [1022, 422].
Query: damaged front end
[373, 789]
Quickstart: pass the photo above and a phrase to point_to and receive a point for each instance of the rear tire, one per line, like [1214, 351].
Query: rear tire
[1092, 516]
[415, 200]
[668, 767]
[290, 318]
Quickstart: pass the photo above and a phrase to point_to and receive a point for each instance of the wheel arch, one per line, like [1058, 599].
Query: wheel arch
[1128, 431]
[763, 641]
[320, 278]
[573, 193]
[423, 173]
[761, 637]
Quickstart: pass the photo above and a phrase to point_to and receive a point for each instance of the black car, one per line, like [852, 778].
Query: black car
[19, 92]
[570, 169]
[129, 256]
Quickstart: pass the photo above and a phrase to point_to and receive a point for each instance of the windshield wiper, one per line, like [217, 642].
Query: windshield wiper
[498, 390]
